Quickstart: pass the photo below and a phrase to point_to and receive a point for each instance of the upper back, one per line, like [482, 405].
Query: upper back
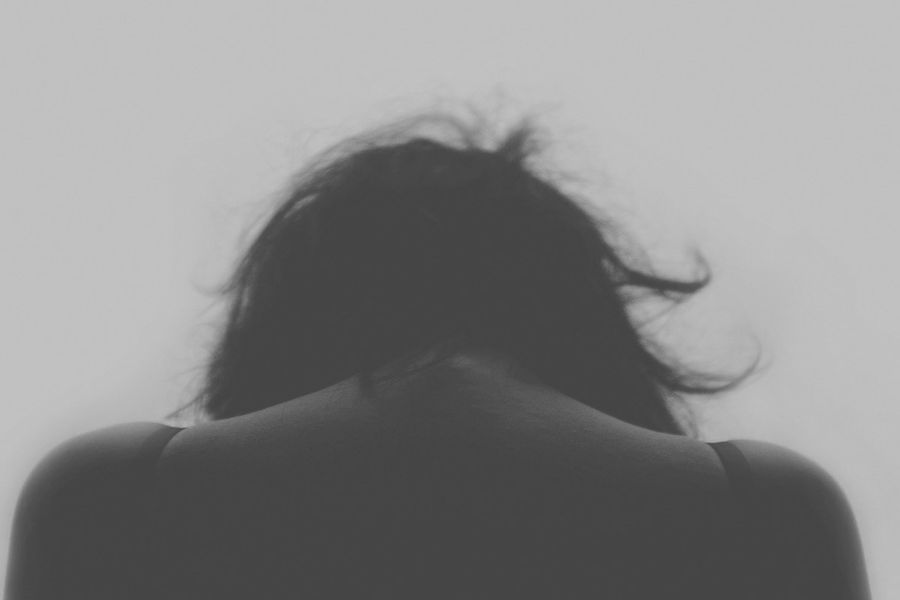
[464, 481]
[462, 477]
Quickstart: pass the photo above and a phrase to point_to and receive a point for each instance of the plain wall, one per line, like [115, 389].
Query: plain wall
[139, 140]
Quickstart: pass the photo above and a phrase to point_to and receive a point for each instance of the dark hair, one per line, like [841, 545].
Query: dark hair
[393, 243]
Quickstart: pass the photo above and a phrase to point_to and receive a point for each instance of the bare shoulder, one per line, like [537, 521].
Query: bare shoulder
[795, 483]
[805, 523]
[781, 471]
[78, 517]
[106, 447]
[84, 467]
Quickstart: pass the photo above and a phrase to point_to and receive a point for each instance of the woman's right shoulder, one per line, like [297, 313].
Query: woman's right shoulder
[782, 474]
[779, 469]
[805, 522]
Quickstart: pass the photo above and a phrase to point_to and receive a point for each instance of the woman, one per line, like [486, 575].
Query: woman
[430, 385]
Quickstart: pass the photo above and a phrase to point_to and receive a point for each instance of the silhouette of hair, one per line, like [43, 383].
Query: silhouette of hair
[394, 243]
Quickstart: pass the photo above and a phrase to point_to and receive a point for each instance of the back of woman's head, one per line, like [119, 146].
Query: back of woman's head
[395, 243]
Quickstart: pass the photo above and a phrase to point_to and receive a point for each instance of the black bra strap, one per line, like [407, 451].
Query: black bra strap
[153, 446]
[156, 520]
[732, 574]
[737, 468]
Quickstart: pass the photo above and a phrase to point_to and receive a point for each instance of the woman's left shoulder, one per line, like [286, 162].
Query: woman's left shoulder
[98, 451]
[79, 526]
[79, 518]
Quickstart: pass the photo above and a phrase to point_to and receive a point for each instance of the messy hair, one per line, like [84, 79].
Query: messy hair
[396, 242]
